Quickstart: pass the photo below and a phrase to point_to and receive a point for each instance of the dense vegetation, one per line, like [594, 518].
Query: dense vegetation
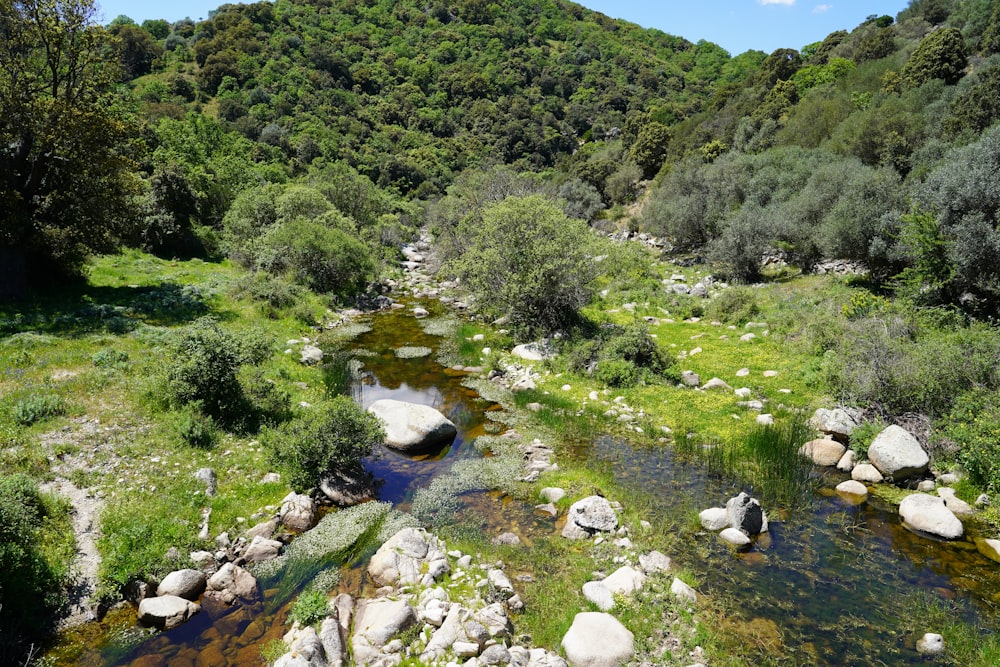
[296, 145]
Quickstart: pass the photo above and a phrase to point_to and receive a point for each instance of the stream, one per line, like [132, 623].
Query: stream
[830, 584]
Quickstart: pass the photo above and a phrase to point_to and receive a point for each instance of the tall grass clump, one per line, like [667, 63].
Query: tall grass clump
[773, 465]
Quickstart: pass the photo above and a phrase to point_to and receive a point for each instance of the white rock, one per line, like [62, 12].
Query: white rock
[411, 427]
[187, 584]
[928, 514]
[598, 640]
[743, 392]
[897, 454]
[298, 511]
[866, 472]
[553, 494]
[930, 644]
[765, 419]
[846, 462]
[261, 549]
[530, 352]
[823, 452]
[989, 548]
[953, 502]
[167, 611]
[376, 622]
[854, 488]
[716, 383]
[714, 518]
[311, 355]
[406, 557]
[837, 422]
[734, 537]
[683, 591]
[589, 515]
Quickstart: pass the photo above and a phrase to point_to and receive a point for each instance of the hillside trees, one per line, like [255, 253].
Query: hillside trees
[67, 141]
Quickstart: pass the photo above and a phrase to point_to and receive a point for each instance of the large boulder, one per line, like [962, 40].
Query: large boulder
[346, 488]
[745, 514]
[298, 512]
[261, 549]
[375, 623]
[531, 351]
[928, 514]
[166, 611]
[623, 581]
[187, 584]
[836, 423]
[588, 516]
[897, 454]
[823, 452]
[598, 640]
[232, 582]
[411, 556]
[412, 428]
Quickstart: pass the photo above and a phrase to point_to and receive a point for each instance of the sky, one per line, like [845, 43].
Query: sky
[735, 25]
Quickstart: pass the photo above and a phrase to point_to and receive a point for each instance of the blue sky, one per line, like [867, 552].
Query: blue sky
[736, 25]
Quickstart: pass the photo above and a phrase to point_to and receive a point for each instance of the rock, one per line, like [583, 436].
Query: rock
[500, 583]
[747, 337]
[495, 655]
[187, 584]
[930, 644]
[714, 518]
[846, 462]
[716, 383]
[234, 580]
[203, 559]
[654, 562]
[599, 595]
[926, 486]
[166, 611]
[949, 478]
[837, 423]
[375, 623]
[298, 512]
[304, 647]
[989, 548]
[983, 500]
[261, 549]
[411, 427]
[823, 452]
[420, 312]
[597, 640]
[928, 514]
[897, 454]
[683, 591]
[734, 537]
[270, 478]
[207, 477]
[765, 419]
[507, 539]
[591, 514]
[333, 641]
[953, 502]
[530, 352]
[494, 618]
[623, 581]
[746, 514]
[690, 378]
[262, 529]
[553, 494]
[866, 472]
[406, 557]
[311, 355]
[346, 488]
[524, 384]
[854, 488]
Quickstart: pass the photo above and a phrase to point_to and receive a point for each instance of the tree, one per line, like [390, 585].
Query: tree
[650, 148]
[527, 260]
[940, 55]
[66, 159]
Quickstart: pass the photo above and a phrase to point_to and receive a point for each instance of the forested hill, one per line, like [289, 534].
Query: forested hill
[411, 93]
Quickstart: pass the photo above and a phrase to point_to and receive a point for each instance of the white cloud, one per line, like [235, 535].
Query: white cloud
[787, 3]
[821, 9]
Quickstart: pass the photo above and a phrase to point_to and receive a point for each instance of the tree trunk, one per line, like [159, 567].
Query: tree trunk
[13, 273]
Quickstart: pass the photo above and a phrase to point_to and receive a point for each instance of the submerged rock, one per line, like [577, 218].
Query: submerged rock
[410, 427]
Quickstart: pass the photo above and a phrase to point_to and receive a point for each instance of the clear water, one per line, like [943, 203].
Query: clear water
[831, 579]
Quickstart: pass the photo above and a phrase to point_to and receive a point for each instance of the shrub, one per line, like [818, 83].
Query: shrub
[267, 289]
[940, 55]
[194, 428]
[205, 362]
[617, 373]
[333, 435]
[37, 407]
[863, 435]
[311, 606]
[30, 581]
[736, 305]
[110, 358]
[320, 257]
[974, 425]
[526, 259]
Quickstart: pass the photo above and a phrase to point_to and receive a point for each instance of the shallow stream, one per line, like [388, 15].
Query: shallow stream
[830, 584]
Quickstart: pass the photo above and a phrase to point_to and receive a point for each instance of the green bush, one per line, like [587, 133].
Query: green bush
[736, 305]
[205, 363]
[267, 289]
[617, 373]
[311, 606]
[194, 428]
[37, 407]
[110, 358]
[31, 575]
[322, 258]
[333, 435]
[974, 425]
[863, 435]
